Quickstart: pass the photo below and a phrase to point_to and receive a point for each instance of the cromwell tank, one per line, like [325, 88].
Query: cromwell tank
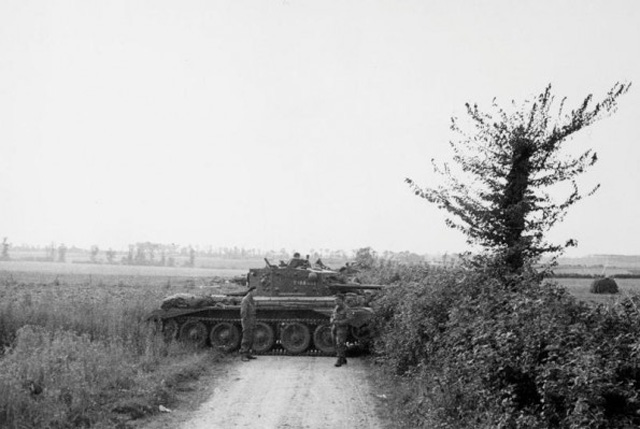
[293, 308]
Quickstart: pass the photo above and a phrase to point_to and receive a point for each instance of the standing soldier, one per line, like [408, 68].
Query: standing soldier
[339, 329]
[248, 318]
[296, 261]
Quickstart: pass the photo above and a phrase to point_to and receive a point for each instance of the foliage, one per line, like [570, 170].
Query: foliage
[365, 257]
[508, 161]
[82, 355]
[393, 272]
[477, 355]
[56, 378]
[604, 285]
[100, 312]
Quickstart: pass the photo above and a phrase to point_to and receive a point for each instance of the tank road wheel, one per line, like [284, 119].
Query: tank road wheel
[225, 336]
[295, 337]
[263, 338]
[194, 332]
[322, 339]
[169, 329]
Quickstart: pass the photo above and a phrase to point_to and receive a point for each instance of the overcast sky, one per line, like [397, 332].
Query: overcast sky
[290, 124]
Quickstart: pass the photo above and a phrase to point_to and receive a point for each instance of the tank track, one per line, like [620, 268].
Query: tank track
[277, 349]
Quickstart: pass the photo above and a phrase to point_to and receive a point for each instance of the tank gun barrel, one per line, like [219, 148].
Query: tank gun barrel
[338, 287]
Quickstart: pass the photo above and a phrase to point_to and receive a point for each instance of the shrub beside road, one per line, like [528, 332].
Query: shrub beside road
[465, 352]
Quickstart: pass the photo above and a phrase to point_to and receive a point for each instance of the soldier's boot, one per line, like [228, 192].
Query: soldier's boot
[344, 361]
[338, 362]
[250, 356]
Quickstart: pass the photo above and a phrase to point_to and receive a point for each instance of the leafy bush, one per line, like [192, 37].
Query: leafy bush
[604, 285]
[481, 354]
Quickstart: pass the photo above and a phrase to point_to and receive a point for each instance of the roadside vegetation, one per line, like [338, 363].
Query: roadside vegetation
[84, 356]
[474, 354]
[491, 343]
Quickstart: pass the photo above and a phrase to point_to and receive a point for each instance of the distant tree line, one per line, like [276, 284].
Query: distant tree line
[169, 255]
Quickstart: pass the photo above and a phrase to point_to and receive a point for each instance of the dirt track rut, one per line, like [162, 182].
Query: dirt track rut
[289, 392]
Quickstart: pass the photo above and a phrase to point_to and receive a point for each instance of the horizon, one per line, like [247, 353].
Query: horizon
[260, 251]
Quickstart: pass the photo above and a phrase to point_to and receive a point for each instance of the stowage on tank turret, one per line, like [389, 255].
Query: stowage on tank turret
[293, 308]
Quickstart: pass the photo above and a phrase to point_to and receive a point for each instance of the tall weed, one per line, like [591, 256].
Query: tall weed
[483, 354]
[51, 379]
[70, 353]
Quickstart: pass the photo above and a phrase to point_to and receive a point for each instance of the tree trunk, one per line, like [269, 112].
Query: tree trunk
[515, 205]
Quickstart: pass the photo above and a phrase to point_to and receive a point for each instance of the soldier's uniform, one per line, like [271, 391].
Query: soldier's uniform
[248, 319]
[339, 330]
[297, 262]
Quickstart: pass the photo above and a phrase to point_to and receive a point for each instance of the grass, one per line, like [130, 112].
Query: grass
[393, 395]
[46, 272]
[580, 289]
[79, 353]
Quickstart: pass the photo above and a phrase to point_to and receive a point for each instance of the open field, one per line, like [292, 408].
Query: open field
[82, 271]
[47, 272]
[599, 263]
[78, 295]
[76, 349]
[217, 272]
[595, 270]
[580, 289]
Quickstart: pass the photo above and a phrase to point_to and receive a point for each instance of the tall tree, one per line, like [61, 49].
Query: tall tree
[507, 162]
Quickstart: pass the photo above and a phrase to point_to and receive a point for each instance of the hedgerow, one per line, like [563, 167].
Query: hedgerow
[477, 352]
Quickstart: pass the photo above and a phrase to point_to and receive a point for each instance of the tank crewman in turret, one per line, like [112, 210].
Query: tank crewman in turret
[248, 319]
[339, 329]
[297, 261]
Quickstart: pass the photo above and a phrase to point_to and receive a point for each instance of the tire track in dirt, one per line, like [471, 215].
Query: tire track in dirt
[286, 392]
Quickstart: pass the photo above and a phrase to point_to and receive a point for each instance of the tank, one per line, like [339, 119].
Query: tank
[293, 308]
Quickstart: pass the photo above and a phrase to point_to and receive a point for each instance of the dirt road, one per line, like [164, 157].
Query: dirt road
[289, 392]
